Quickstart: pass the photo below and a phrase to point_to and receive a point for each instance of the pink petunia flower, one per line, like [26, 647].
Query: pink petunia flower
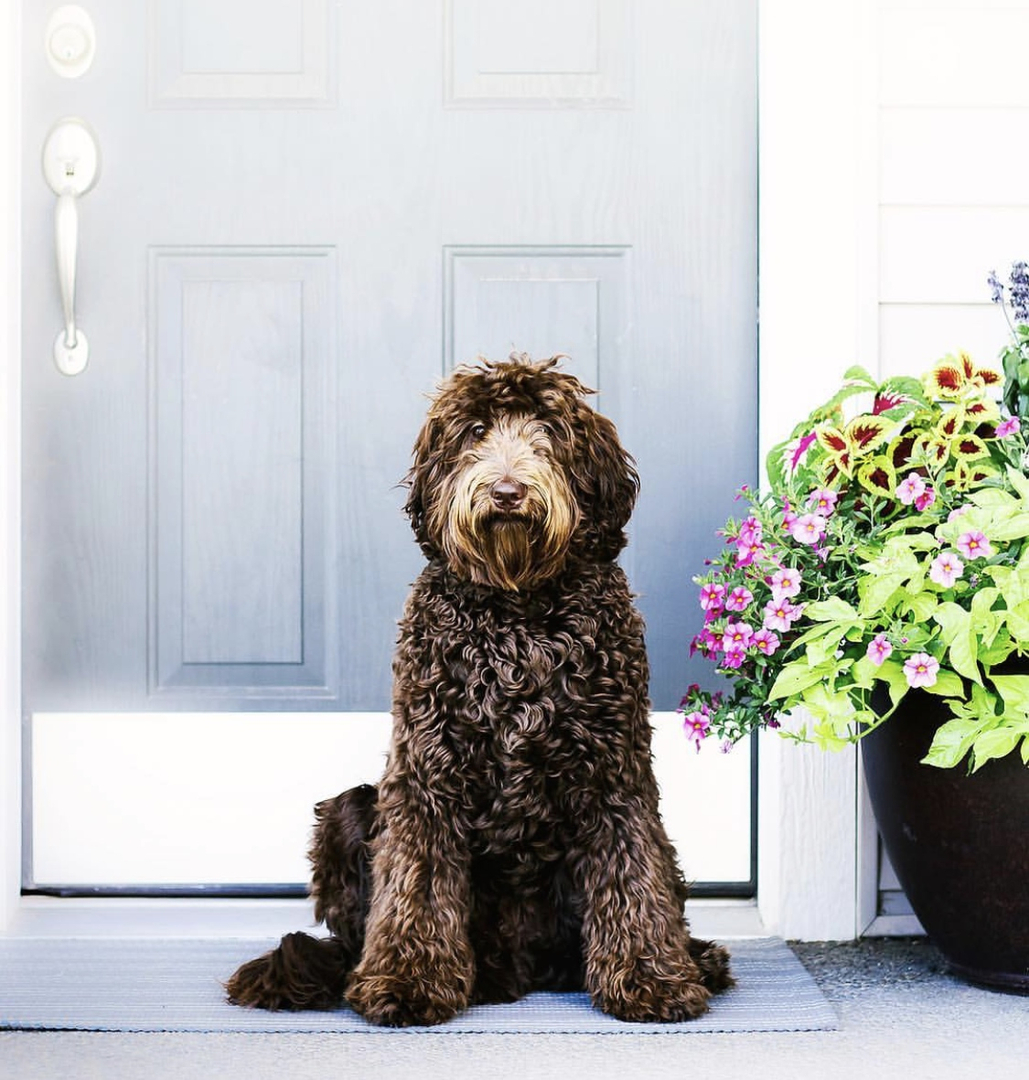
[926, 499]
[823, 500]
[1007, 427]
[738, 599]
[959, 511]
[879, 648]
[785, 583]
[750, 532]
[736, 634]
[747, 553]
[921, 669]
[707, 641]
[912, 487]
[946, 569]
[733, 657]
[696, 725]
[780, 615]
[808, 529]
[974, 545]
[788, 517]
[765, 642]
[712, 595]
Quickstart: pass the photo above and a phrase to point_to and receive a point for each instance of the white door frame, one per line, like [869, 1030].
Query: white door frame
[818, 305]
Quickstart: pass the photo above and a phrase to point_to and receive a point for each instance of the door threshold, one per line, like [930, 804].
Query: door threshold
[209, 917]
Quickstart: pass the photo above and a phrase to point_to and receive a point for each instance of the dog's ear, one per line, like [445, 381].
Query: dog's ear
[425, 475]
[606, 480]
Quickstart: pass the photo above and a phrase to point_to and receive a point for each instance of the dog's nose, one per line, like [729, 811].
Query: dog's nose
[507, 494]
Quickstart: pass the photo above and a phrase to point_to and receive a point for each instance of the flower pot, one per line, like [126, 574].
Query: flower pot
[958, 843]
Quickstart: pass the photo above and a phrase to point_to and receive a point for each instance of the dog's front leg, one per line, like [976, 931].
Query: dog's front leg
[636, 942]
[417, 966]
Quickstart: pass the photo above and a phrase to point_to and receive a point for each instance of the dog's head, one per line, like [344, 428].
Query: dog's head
[514, 472]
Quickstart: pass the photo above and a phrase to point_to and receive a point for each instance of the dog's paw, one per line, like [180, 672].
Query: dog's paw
[713, 963]
[392, 1001]
[643, 995]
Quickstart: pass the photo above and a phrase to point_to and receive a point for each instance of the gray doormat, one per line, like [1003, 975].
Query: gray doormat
[145, 984]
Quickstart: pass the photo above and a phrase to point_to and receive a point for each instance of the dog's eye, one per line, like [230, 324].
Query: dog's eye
[477, 432]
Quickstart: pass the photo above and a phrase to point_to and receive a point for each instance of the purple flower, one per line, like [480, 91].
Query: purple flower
[712, 595]
[696, 725]
[750, 532]
[780, 615]
[785, 583]
[921, 669]
[739, 598]
[912, 487]
[808, 529]
[926, 499]
[765, 641]
[823, 500]
[747, 553]
[736, 635]
[1007, 427]
[996, 289]
[1019, 291]
[879, 649]
[733, 657]
[706, 641]
[946, 569]
[974, 545]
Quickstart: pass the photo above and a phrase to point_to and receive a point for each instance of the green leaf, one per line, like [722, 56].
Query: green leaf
[891, 672]
[1014, 689]
[996, 743]
[921, 606]
[798, 676]
[993, 498]
[950, 744]
[832, 610]
[1011, 528]
[1019, 481]
[1013, 582]
[876, 592]
[959, 636]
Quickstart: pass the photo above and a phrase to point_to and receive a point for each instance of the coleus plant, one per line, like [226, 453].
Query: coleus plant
[889, 553]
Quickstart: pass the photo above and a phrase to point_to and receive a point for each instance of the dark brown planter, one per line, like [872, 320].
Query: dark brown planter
[959, 844]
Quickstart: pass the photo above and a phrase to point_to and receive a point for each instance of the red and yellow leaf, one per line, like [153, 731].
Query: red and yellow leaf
[878, 476]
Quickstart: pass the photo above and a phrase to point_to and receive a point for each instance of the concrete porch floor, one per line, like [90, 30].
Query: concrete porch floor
[901, 1015]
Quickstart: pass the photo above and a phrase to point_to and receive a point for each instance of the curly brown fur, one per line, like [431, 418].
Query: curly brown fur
[514, 842]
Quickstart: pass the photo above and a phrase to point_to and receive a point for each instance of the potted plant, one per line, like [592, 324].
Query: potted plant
[878, 589]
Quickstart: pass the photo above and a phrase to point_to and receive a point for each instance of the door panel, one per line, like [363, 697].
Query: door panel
[306, 214]
[243, 474]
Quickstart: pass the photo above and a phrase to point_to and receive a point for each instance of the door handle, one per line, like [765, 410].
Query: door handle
[71, 164]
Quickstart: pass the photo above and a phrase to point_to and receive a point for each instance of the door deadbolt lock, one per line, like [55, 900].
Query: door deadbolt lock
[70, 41]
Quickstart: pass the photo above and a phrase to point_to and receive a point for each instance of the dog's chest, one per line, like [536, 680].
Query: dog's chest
[523, 728]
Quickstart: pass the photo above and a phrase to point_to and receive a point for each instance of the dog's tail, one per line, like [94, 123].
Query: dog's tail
[304, 972]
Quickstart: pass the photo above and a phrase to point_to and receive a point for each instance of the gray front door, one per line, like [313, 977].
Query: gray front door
[306, 212]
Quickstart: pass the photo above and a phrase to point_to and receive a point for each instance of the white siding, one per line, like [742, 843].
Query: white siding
[953, 200]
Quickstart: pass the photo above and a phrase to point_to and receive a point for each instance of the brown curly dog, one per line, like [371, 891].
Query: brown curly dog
[514, 843]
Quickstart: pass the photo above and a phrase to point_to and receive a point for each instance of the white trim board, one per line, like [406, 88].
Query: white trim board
[10, 443]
